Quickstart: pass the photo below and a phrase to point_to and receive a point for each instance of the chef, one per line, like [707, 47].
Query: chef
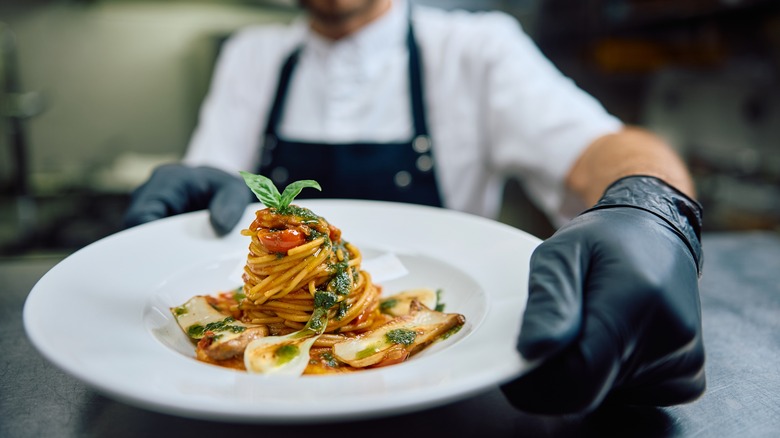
[380, 99]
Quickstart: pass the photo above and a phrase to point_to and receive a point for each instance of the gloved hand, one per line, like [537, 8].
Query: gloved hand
[613, 311]
[175, 188]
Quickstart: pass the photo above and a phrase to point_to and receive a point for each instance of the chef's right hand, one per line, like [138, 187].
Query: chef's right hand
[613, 313]
[175, 188]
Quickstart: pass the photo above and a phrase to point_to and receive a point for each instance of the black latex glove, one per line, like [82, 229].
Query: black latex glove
[175, 188]
[613, 311]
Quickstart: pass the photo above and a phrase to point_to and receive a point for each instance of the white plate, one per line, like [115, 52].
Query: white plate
[102, 314]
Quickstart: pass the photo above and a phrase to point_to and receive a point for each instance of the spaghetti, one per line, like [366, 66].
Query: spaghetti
[298, 262]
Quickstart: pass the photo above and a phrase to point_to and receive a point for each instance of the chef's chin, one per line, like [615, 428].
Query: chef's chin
[334, 11]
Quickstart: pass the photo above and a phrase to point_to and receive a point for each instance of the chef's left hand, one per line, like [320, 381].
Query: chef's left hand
[176, 188]
[613, 312]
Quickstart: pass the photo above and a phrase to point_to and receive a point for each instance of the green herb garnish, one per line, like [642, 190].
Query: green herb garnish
[329, 360]
[197, 331]
[401, 336]
[316, 325]
[341, 312]
[439, 304]
[286, 353]
[366, 352]
[324, 300]
[388, 304]
[269, 195]
[238, 293]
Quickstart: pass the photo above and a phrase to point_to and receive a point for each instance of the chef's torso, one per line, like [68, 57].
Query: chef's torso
[390, 170]
[494, 105]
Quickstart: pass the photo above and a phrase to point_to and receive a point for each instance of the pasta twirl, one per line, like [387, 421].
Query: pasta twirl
[283, 288]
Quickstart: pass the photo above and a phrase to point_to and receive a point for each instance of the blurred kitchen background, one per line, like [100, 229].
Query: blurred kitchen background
[95, 93]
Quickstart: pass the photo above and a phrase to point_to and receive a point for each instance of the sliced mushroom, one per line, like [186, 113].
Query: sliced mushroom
[401, 337]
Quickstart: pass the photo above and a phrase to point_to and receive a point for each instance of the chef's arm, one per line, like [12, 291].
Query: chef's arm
[613, 310]
[631, 151]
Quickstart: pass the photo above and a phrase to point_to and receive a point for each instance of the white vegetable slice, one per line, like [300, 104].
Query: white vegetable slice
[398, 304]
[197, 316]
[283, 355]
[227, 337]
[288, 354]
[410, 333]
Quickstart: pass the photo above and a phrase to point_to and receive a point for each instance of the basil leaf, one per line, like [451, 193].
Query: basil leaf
[291, 191]
[268, 194]
[264, 189]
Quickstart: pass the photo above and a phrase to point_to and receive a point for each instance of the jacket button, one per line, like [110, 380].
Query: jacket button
[402, 179]
[421, 144]
[424, 163]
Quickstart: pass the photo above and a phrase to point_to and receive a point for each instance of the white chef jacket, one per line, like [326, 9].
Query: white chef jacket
[496, 107]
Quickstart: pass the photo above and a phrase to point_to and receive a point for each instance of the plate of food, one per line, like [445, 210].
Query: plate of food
[312, 310]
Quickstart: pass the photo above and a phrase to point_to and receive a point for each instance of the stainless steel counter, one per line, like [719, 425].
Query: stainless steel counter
[740, 293]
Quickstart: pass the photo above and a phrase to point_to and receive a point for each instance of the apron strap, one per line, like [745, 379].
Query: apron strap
[416, 84]
[277, 107]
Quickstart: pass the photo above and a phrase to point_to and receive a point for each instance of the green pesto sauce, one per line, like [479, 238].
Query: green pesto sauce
[340, 283]
[318, 320]
[366, 352]
[439, 304]
[326, 359]
[386, 305]
[451, 331]
[181, 310]
[197, 330]
[238, 293]
[401, 336]
[314, 234]
[286, 353]
[305, 213]
[330, 360]
[341, 312]
[324, 299]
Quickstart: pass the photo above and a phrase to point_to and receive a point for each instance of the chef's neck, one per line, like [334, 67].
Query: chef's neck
[335, 26]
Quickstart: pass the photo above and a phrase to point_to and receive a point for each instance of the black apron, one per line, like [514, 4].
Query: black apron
[400, 172]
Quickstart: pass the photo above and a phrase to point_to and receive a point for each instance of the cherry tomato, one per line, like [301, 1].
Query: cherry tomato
[334, 233]
[281, 241]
